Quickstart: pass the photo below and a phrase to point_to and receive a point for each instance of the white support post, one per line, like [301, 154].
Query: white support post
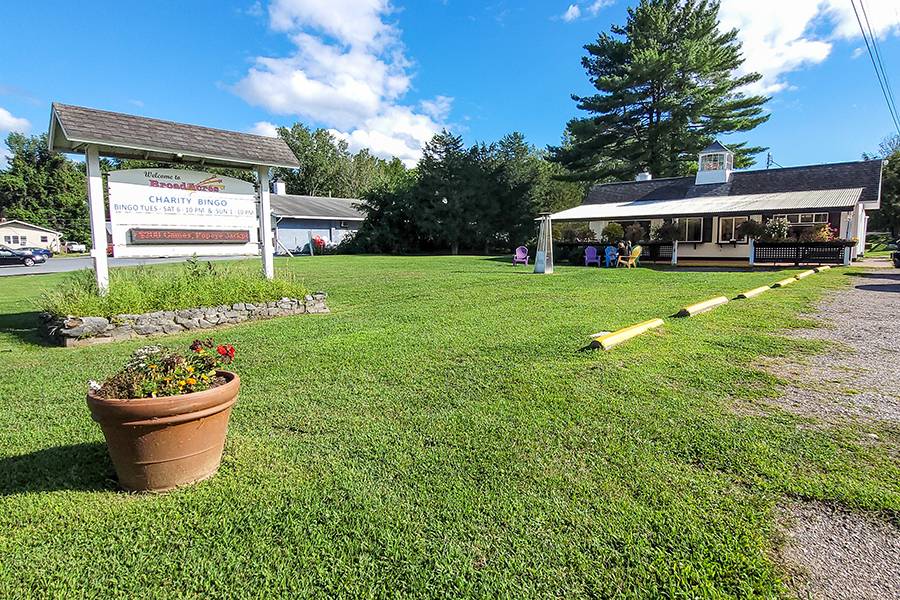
[675, 253]
[265, 222]
[98, 218]
[752, 252]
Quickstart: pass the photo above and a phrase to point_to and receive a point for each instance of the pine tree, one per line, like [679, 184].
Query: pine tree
[667, 86]
[444, 191]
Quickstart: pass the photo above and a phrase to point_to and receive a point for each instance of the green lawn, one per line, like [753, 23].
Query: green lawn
[441, 434]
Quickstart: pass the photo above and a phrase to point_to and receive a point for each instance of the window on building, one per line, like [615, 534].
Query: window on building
[712, 162]
[716, 162]
[44, 239]
[7, 239]
[14, 240]
[803, 219]
[690, 229]
[23, 240]
[728, 229]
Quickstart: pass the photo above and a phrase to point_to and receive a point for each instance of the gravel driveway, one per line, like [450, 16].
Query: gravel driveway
[827, 551]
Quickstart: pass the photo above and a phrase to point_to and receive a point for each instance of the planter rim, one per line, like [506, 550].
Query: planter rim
[165, 408]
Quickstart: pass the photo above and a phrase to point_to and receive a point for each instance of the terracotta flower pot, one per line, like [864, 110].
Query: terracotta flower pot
[157, 444]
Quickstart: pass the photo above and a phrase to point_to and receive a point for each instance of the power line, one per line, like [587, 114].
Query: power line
[875, 64]
[884, 72]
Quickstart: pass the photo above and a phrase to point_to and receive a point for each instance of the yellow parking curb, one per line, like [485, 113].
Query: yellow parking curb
[701, 307]
[804, 274]
[784, 282]
[754, 292]
[822, 268]
[609, 340]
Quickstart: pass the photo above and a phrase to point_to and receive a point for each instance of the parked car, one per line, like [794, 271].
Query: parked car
[75, 247]
[42, 251]
[12, 256]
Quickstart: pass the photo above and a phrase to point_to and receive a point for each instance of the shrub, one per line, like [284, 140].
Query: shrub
[613, 232]
[634, 233]
[155, 371]
[819, 233]
[751, 229]
[170, 287]
[667, 232]
[777, 229]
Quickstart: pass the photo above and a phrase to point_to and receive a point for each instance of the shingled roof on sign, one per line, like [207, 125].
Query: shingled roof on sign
[120, 135]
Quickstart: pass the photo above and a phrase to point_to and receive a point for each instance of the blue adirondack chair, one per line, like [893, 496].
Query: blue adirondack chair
[611, 256]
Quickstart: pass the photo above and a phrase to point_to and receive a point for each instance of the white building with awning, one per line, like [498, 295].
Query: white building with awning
[709, 207]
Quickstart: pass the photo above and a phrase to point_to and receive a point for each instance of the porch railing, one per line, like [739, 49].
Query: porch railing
[801, 252]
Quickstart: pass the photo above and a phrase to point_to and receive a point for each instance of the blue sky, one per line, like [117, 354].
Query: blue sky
[387, 74]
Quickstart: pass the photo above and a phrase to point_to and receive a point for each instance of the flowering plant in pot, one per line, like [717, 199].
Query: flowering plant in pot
[165, 414]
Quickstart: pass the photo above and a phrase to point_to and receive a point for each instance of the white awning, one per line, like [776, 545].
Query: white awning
[750, 204]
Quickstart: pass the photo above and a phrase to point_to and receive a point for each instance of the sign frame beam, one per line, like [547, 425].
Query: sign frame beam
[266, 245]
[97, 218]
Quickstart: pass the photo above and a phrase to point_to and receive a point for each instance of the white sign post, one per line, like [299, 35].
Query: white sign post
[173, 212]
[98, 221]
[266, 245]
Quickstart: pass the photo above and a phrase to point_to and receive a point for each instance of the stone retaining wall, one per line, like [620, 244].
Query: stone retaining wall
[78, 331]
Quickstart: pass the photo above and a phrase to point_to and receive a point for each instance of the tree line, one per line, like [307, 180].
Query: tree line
[483, 197]
[480, 198]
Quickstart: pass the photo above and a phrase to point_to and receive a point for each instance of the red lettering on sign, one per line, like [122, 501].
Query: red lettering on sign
[189, 236]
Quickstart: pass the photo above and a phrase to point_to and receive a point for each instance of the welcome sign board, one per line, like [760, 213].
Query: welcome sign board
[171, 212]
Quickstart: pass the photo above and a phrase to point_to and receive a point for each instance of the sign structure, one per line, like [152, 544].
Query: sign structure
[173, 212]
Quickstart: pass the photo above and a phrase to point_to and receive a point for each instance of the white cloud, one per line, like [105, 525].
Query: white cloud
[572, 13]
[347, 71]
[780, 37]
[438, 108]
[264, 128]
[584, 9]
[8, 122]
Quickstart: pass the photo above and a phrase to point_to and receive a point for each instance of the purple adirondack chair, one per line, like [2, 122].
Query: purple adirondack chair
[591, 257]
[521, 256]
[611, 255]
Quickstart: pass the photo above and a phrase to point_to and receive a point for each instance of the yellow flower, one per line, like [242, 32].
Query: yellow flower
[191, 381]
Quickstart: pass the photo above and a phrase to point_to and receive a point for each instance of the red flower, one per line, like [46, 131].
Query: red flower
[226, 351]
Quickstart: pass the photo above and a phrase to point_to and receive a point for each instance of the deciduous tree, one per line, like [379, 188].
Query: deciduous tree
[44, 188]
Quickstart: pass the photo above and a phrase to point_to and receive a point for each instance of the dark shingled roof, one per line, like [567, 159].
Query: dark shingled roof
[316, 207]
[127, 136]
[716, 146]
[862, 174]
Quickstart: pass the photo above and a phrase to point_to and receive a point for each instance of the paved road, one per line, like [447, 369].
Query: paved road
[61, 265]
